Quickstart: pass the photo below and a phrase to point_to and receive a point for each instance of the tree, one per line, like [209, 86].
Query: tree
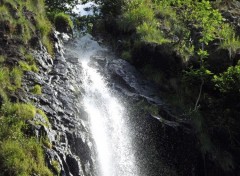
[60, 5]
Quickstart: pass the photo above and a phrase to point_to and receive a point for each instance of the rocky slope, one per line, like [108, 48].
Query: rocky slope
[69, 133]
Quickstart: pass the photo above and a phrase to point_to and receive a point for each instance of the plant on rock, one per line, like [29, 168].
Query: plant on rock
[63, 23]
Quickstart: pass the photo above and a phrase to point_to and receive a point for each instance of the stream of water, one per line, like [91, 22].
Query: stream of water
[107, 116]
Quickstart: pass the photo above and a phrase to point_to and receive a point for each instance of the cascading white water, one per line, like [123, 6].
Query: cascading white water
[107, 117]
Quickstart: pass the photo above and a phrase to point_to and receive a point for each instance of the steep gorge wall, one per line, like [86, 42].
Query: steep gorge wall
[45, 85]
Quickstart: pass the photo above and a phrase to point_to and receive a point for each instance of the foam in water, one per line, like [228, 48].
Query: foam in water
[107, 117]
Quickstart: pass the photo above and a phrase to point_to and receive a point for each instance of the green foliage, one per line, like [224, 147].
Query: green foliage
[126, 55]
[21, 26]
[63, 19]
[2, 59]
[22, 157]
[150, 33]
[188, 25]
[26, 67]
[56, 166]
[232, 44]
[4, 14]
[46, 142]
[136, 12]
[229, 81]
[194, 76]
[4, 77]
[20, 110]
[45, 27]
[37, 89]
[112, 8]
[16, 77]
[3, 96]
[45, 122]
[53, 5]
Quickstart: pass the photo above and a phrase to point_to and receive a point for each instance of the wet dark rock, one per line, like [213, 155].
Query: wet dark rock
[164, 142]
[58, 101]
[159, 56]
[73, 165]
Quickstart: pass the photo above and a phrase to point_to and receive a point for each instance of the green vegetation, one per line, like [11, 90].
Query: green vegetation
[17, 25]
[26, 67]
[47, 143]
[37, 89]
[229, 81]
[63, 21]
[63, 18]
[2, 59]
[22, 157]
[20, 153]
[21, 110]
[192, 50]
[56, 166]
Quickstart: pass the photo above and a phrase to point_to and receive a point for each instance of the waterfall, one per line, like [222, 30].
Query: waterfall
[107, 116]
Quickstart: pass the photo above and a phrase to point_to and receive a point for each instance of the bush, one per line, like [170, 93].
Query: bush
[63, 23]
[4, 77]
[56, 166]
[37, 89]
[19, 110]
[137, 13]
[16, 77]
[14, 159]
[26, 67]
[2, 59]
[22, 157]
[229, 81]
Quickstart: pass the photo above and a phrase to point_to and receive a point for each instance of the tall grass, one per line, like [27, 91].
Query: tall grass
[20, 154]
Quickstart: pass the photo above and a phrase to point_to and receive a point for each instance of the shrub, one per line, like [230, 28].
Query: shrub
[14, 159]
[136, 13]
[232, 44]
[37, 89]
[63, 23]
[2, 59]
[22, 157]
[56, 166]
[20, 110]
[150, 33]
[26, 67]
[229, 81]
[16, 77]
[4, 77]
[46, 142]
[3, 97]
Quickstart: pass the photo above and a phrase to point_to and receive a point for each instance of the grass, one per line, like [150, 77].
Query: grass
[20, 153]
[56, 166]
[4, 77]
[46, 142]
[20, 110]
[22, 27]
[22, 158]
[46, 122]
[37, 89]
[232, 44]
[16, 77]
[27, 67]
[2, 59]
[64, 19]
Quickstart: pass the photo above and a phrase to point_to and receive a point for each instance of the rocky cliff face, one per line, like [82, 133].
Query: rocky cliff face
[72, 146]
